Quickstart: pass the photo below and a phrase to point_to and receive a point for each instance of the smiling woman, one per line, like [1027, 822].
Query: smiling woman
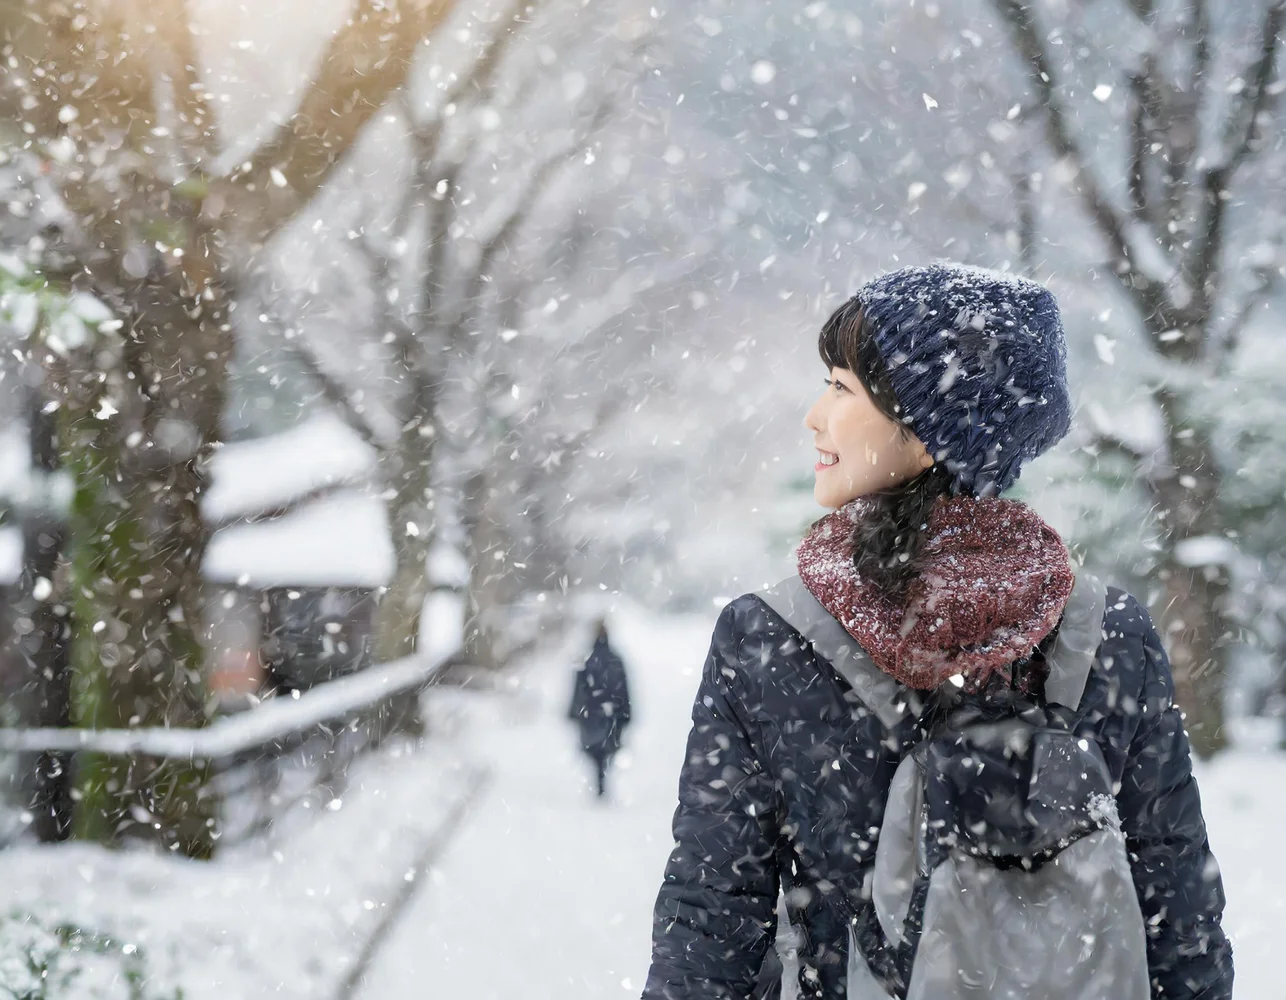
[929, 618]
[869, 450]
[860, 449]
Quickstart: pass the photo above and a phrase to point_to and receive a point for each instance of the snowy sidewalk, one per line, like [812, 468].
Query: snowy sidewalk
[286, 919]
[545, 893]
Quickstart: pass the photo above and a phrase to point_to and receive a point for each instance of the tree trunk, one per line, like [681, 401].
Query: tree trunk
[397, 619]
[408, 473]
[1193, 623]
[485, 540]
[397, 622]
[135, 442]
[41, 650]
[130, 142]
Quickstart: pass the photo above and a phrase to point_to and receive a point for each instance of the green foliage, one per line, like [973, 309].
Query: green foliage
[42, 961]
[33, 308]
[109, 556]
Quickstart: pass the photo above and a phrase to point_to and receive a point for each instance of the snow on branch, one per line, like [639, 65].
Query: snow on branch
[624, 293]
[1241, 129]
[1148, 256]
[365, 63]
[1021, 20]
[333, 391]
[427, 134]
[237, 734]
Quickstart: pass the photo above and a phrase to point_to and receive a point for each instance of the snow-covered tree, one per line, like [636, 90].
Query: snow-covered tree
[492, 294]
[110, 102]
[1191, 251]
[1125, 152]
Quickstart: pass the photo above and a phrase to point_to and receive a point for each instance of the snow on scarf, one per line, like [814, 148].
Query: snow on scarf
[994, 581]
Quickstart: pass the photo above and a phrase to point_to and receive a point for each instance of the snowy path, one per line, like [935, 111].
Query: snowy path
[546, 893]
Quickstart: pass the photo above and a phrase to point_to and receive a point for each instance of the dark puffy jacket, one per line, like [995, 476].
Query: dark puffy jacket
[601, 700]
[784, 786]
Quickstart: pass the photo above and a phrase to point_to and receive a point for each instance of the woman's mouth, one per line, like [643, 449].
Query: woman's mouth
[825, 460]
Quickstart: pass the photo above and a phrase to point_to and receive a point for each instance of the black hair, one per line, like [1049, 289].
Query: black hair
[886, 544]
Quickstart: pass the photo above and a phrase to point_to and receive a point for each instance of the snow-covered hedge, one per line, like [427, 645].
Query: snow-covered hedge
[41, 961]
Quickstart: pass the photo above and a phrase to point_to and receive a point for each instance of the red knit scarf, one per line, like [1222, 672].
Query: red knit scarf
[994, 582]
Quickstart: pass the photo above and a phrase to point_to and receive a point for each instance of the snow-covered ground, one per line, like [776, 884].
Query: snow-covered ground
[544, 892]
[284, 920]
[547, 893]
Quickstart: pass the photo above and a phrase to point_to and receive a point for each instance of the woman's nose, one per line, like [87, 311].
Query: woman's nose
[813, 419]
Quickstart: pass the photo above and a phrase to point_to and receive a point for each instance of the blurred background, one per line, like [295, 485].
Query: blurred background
[357, 356]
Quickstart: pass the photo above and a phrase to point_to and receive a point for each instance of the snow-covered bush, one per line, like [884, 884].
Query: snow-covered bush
[45, 961]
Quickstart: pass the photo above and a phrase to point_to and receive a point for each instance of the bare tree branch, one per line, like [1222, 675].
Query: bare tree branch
[1040, 73]
[529, 199]
[1243, 120]
[277, 511]
[1229, 338]
[433, 181]
[624, 294]
[1200, 49]
[1139, 141]
[1028, 233]
[334, 392]
[428, 135]
[362, 67]
[197, 128]
[1242, 128]
[1178, 114]
[1144, 10]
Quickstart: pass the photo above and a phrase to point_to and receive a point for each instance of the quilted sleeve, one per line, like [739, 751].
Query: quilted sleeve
[1178, 882]
[715, 915]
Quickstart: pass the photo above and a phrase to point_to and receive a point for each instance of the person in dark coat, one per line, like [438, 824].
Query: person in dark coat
[942, 382]
[601, 705]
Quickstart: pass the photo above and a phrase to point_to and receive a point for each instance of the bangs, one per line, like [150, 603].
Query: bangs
[839, 343]
[845, 342]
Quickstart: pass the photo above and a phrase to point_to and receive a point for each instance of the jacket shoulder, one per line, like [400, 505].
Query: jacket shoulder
[1125, 615]
[753, 642]
[756, 630]
[1130, 678]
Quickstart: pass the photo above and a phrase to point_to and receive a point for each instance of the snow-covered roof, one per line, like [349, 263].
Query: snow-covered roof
[263, 473]
[339, 540]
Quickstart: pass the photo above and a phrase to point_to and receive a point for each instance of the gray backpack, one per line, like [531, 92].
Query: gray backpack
[1001, 870]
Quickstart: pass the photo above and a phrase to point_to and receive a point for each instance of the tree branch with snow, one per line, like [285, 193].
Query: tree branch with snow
[1241, 130]
[1041, 77]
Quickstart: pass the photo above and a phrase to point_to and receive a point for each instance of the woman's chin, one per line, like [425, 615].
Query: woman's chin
[827, 494]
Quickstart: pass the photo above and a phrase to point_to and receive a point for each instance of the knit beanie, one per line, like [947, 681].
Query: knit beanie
[978, 364]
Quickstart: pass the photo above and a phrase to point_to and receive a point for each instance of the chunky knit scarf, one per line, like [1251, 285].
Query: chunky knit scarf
[994, 581]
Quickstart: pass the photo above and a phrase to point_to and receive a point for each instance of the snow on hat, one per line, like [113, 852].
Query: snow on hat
[978, 364]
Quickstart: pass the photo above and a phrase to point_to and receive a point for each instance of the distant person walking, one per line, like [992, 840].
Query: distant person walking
[601, 704]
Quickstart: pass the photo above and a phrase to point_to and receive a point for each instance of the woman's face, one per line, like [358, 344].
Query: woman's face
[860, 450]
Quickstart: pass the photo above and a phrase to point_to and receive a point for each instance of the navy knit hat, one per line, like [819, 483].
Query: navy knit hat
[977, 362]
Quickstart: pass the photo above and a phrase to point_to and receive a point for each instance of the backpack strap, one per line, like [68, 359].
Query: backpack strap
[1077, 642]
[805, 614]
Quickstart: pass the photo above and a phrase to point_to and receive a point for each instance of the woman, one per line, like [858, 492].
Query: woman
[942, 381]
[601, 705]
